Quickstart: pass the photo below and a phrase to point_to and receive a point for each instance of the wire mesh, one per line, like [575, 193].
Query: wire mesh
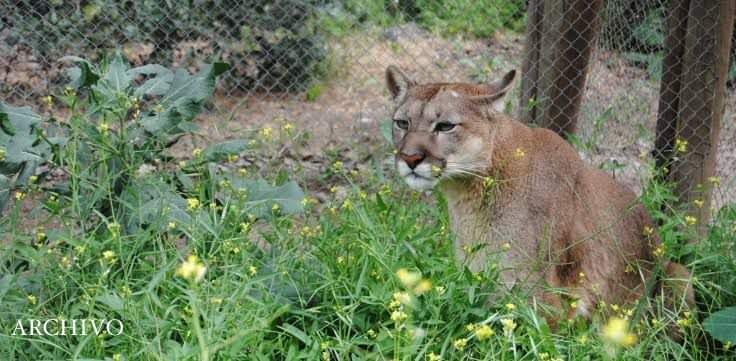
[602, 65]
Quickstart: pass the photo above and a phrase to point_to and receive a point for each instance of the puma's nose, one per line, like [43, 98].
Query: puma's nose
[412, 160]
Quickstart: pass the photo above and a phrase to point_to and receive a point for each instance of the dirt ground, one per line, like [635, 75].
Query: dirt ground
[344, 119]
[348, 113]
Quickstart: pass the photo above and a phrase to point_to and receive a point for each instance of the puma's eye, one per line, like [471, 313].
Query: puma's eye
[444, 127]
[402, 123]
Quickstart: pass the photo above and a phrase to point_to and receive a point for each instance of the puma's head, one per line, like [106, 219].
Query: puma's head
[442, 130]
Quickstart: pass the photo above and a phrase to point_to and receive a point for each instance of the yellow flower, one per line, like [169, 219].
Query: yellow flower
[252, 270]
[287, 127]
[433, 357]
[117, 357]
[402, 297]
[275, 207]
[31, 299]
[583, 339]
[483, 332]
[108, 256]
[436, 171]
[347, 204]
[114, 228]
[192, 204]
[519, 153]
[216, 301]
[19, 196]
[440, 290]
[698, 203]
[69, 91]
[65, 262]
[399, 316]
[191, 269]
[681, 145]
[394, 304]
[716, 181]
[510, 306]
[614, 307]
[103, 127]
[488, 182]
[659, 251]
[648, 231]
[266, 133]
[683, 322]
[460, 343]
[408, 278]
[508, 326]
[616, 332]
[506, 246]
[372, 333]
[171, 225]
[422, 287]
[196, 152]
[48, 101]
[690, 220]
[337, 166]
[2, 154]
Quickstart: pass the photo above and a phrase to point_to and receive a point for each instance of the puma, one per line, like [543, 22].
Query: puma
[523, 198]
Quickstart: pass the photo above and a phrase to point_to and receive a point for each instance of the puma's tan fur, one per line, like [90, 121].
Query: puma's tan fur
[574, 232]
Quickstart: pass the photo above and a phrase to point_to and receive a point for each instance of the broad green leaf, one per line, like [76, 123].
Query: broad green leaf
[117, 77]
[5, 185]
[261, 196]
[722, 325]
[193, 87]
[83, 75]
[220, 151]
[149, 200]
[183, 100]
[18, 136]
[159, 84]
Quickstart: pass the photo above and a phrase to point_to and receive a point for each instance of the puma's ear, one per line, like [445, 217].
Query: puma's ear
[397, 82]
[496, 92]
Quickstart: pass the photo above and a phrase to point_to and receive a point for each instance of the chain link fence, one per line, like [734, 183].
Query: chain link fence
[615, 76]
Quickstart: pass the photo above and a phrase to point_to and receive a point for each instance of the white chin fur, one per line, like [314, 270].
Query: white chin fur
[420, 179]
[419, 183]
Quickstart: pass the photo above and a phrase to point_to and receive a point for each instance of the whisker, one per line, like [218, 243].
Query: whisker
[465, 171]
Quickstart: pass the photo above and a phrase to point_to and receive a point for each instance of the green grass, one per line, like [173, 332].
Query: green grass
[316, 286]
[111, 238]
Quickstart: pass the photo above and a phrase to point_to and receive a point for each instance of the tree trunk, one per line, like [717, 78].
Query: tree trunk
[669, 88]
[557, 53]
[530, 67]
[699, 103]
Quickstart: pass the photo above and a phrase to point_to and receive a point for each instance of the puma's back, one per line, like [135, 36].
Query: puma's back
[522, 197]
